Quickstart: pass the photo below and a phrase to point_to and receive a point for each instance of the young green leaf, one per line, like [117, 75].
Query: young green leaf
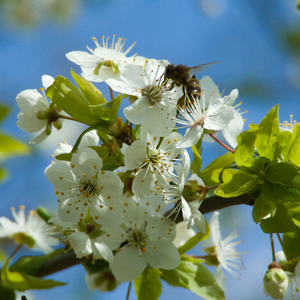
[282, 183]
[210, 175]
[244, 151]
[267, 141]
[91, 93]
[262, 208]
[69, 98]
[294, 153]
[291, 244]
[280, 222]
[239, 183]
[148, 285]
[194, 277]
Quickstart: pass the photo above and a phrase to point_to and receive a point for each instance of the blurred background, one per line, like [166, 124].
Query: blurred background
[256, 42]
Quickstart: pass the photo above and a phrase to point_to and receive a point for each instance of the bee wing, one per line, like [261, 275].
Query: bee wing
[200, 68]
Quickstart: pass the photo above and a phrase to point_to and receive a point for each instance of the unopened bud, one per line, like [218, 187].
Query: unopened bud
[275, 281]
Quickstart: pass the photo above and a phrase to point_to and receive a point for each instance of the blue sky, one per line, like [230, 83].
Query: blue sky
[246, 41]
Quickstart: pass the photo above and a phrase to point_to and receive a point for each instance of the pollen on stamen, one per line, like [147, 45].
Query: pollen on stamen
[60, 177]
[102, 172]
[96, 217]
[111, 208]
[84, 175]
[58, 200]
[72, 166]
[94, 166]
[67, 211]
[108, 197]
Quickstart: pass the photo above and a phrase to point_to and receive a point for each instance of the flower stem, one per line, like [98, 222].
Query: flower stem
[222, 144]
[128, 290]
[71, 119]
[16, 250]
[273, 248]
[111, 93]
[280, 239]
[212, 187]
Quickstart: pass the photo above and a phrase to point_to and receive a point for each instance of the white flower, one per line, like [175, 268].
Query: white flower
[81, 184]
[103, 62]
[154, 162]
[91, 238]
[294, 276]
[32, 103]
[89, 139]
[275, 283]
[188, 200]
[34, 232]
[211, 112]
[155, 103]
[148, 241]
[225, 251]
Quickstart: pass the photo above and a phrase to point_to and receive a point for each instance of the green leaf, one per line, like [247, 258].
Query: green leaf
[298, 5]
[282, 183]
[64, 156]
[267, 139]
[113, 161]
[108, 111]
[286, 141]
[7, 294]
[239, 183]
[148, 285]
[280, 222]
[194, 277]
[65, 94]
[258, 165]
[91, 93]
[293, 209]
[21, 281]
[291, 244]
[11, 147]
[244, 151]
[31, 265]
[4, 110]
[262, 208]
[294, 153]
[194, 240]
[210, 175]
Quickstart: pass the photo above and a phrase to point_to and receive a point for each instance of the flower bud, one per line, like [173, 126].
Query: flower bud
[275, 281]
[103, 281]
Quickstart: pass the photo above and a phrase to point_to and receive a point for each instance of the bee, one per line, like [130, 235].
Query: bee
[181, 75]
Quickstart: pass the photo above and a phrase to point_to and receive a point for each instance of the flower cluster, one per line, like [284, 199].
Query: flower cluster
[123, 215]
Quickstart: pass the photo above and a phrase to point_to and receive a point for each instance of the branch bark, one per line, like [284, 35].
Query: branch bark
[66, 260]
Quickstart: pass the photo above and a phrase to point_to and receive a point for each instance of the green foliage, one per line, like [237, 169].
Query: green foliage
[11, 147]
[66, 96]
[294, 150]
[192, 275]
[210, 175]
[148, 285]
[4, 110]
[267, 143]
[197, 160]
[21, 281]
[291, 244]
[279, 222]
[7, 294]
[238, 184]
[282, 183]
[91, 93]
[245, 149]
[262, 208]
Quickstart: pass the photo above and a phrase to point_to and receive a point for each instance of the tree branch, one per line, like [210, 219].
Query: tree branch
[66, 260]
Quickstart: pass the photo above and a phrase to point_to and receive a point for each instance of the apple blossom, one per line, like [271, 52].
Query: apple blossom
[34, 232]
[36, 114]
[81, 184]
[148, 241]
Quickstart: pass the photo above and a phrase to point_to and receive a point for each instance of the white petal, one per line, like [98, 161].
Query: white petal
[100, 250]
[138, 112]
[82, 58]
[162, 254]
[127, 264]
[220, 278]
[81, 244]
[40, 138]
[47, 81]
[135, 154]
